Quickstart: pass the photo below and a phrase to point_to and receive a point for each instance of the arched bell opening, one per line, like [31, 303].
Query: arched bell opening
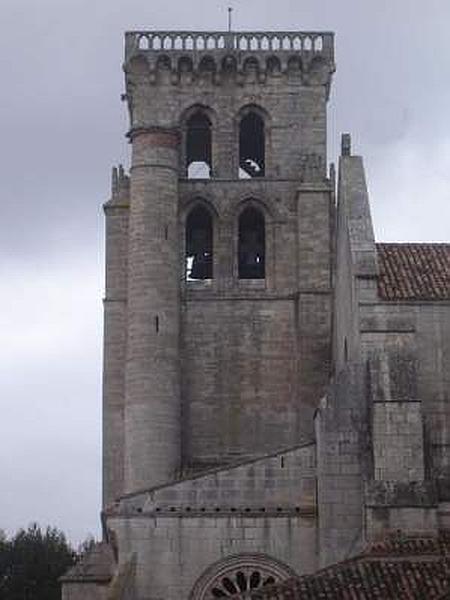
[199, 245]
[252, 143]
[198, 146]
[252, 244]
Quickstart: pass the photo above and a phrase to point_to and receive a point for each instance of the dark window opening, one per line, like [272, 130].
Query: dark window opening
[252, 245]
[240, 582]
[199, 245]
[251, 147]
[198, 147]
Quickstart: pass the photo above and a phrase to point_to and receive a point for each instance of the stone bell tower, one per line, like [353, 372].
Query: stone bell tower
[218, 276]
[228, 266]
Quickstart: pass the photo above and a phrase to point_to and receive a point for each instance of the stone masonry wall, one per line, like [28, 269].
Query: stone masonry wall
[342, 445]
[115, 327]
[433, 350]
[173, 552]
[263, 507]
[398, 451]
[296, 113]
[284, 480]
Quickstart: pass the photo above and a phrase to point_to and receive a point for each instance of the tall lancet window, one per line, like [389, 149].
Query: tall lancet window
[198, 147]
[251, 146]
[199, 244]
[252, 244]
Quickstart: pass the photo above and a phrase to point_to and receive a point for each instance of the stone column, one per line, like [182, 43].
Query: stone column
[152, 406]
[116, 250]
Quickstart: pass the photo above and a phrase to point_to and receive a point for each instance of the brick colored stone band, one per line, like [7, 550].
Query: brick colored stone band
[156, 165]
[155, 136]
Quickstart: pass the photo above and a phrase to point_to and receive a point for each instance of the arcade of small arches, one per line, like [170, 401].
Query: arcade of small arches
[198, 143]
[231, 65]
[199, 243]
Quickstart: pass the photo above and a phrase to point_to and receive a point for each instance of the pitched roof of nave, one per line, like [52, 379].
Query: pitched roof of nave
[396, 569]
[414, 272]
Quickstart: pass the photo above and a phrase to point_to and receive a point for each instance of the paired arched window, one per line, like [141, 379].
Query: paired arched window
[252, 145]
[252, 244]
[199, 244]
[198, 146]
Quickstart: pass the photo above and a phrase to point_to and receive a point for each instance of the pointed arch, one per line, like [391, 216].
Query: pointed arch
[198, 148]
[251, 244]
[252, 143]
[199, 244]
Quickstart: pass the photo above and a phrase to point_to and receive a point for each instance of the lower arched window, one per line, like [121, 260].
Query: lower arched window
[252, 244]
[199, 244]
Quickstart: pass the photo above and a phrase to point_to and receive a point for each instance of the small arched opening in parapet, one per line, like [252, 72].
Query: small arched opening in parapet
[252, 244]
[199, 244]
[318, 44]
[307, 43]
[252, 144]
[198, 148]
[199, 43]
[286, 43]
[143, 43]
[275, 43]
[243, 43]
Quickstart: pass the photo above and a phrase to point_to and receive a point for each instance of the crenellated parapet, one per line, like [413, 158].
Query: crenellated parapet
[187, 55]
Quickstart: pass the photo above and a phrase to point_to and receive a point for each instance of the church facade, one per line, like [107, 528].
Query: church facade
[276, 384]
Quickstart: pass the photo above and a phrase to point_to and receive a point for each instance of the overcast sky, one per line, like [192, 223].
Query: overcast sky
[62, 127]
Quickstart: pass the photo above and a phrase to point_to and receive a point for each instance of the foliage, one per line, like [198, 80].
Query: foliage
[86, 546]
[31, 563]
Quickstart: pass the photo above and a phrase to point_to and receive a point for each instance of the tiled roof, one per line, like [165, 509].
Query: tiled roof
[414, 271]
[394, 570]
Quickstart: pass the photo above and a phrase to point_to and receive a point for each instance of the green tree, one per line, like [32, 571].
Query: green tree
[32, 562]
[86, 546]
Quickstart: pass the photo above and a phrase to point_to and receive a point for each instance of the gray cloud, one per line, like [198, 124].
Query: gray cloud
[62, 126]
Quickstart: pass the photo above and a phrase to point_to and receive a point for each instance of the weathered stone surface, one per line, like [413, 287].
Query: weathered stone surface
[278, 422]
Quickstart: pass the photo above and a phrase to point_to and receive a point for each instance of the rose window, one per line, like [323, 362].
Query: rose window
[237, 575]
[241, 581]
